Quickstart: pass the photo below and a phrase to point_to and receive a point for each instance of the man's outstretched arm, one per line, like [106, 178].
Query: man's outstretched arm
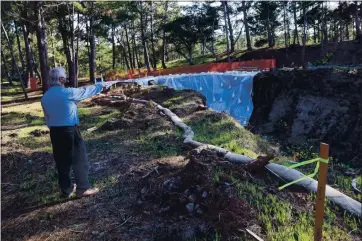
[78, 94]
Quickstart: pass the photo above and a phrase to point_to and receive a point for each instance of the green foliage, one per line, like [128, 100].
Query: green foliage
[227, 133]
[282, 222]
[325, 60]
[187, 28]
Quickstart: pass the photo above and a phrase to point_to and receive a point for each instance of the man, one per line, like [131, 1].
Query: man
[61, 116]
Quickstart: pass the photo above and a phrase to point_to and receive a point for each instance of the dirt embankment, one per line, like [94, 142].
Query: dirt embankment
[305, 107]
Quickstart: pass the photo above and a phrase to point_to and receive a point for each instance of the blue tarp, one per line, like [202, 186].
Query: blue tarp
[228, 92]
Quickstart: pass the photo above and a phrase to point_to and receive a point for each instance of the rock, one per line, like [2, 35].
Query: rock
[201, 107]
[190, 207]
[199, 211]
[144, 190]
[192, 198]
[165, 209]
[172, 184]
[188, 234]
[349, 173]
[204, 194]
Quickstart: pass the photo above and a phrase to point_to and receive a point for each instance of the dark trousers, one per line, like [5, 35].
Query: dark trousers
[69, 152]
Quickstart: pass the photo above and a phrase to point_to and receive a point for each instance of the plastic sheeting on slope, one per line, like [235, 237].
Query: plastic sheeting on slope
[228, 92]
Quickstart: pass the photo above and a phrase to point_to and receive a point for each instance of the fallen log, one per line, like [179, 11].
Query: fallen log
[342, 200]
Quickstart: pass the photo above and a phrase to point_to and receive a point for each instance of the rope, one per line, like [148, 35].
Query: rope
[318, 160]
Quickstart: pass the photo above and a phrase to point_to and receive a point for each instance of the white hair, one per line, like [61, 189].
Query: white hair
[55, 74]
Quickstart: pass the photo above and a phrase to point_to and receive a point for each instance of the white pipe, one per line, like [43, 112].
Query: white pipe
[342, 200]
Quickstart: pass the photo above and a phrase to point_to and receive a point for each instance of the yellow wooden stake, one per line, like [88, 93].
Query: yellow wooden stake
[321, 193]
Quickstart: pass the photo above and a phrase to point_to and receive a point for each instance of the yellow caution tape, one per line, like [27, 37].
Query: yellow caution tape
[318, 160]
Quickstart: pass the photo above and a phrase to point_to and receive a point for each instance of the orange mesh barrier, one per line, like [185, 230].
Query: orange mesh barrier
[33, 84]
[262, 64]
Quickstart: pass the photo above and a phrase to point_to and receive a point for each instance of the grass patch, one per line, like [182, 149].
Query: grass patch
[18, 118]
[161, 145]
[32, 189]
[224, 132]
[173, 101]
[282, 222]
[196, 60]
[89, 118]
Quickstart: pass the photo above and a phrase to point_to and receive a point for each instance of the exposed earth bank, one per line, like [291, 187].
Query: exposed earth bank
[303, 108]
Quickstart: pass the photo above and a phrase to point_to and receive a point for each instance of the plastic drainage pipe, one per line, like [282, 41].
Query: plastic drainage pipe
[340, 199]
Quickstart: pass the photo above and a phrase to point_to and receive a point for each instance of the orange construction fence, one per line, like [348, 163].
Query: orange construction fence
[33, 83]
[262, 64]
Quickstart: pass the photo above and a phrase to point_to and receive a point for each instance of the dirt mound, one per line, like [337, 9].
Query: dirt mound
[198, 194]
[39, 132]
[182, 103]
[305, 107]
[115, 124]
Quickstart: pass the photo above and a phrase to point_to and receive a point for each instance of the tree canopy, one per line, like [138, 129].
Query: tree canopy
[92, 37]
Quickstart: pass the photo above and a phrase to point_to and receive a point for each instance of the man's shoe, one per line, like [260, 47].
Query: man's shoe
[67, 195]
[89, 192]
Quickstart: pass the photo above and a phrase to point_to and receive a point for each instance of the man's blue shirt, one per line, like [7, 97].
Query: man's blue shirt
[60, 104]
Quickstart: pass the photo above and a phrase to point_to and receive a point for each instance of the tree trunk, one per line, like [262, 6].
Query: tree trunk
[92, 54]
[325, 28]
[270, 37]
[212, 49]
[138, 58]
[152, 40]
[144, 42]
[73, 68]
[134, 47]
[124, 53]
[347, 31]
[285, 29]
[27, 51]
[246, 24]
[53, 48]
[334, 32]
[304, 39]
[314, 35]
[231, 32]
[113, 48]
[34, 64]
[295, 36]
[42, 44]
[76, 68]
[188, 57]
[62, 26]
[340, 31]
[8, 75]
[129, 48]
[357, 20]
[24, 76]
[226, 32]
[13, 58]
[163, 59]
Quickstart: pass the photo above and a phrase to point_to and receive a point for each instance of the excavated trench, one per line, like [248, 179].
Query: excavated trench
[298, 109]
[295, 109]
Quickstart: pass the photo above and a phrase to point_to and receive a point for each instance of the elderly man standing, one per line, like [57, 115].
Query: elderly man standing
[61, 116]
